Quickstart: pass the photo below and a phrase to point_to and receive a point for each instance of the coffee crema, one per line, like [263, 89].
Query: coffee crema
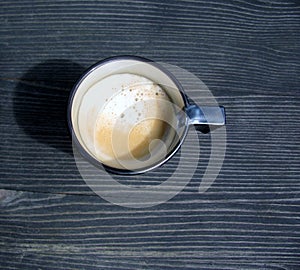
[133, 122]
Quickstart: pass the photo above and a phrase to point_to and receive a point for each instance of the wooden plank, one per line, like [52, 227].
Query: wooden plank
[184, 233]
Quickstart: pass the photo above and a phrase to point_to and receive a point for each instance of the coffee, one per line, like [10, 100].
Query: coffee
[132, 121]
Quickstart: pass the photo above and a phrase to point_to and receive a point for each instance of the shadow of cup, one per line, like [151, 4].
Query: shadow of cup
[40, 102]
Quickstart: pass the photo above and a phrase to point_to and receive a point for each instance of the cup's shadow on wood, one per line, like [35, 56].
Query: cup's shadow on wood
[40, 102]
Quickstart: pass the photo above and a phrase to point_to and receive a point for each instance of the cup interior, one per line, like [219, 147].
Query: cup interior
[89, 100]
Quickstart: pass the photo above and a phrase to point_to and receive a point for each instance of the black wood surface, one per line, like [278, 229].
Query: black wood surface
[246, 52]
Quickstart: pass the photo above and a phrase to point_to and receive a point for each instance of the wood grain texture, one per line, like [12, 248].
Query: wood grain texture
[246, 52]
[186, 233]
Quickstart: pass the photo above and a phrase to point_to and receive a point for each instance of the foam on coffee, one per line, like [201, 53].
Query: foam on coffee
[132, 120]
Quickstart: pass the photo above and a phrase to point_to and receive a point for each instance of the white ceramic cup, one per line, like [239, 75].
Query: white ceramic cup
[103, 82]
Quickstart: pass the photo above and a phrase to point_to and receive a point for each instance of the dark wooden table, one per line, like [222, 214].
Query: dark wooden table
[246, 52]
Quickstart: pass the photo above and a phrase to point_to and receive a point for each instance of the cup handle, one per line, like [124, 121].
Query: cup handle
[206, 118]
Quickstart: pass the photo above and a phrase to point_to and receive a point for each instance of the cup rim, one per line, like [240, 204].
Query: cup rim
[85, 153]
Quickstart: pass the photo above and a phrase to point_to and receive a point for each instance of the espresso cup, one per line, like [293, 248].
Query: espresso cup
[130, 115]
